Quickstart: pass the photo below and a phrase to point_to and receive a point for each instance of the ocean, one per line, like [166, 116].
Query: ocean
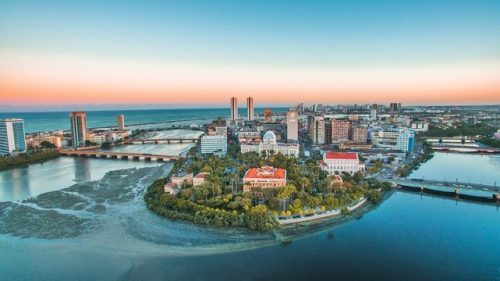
[49, 121]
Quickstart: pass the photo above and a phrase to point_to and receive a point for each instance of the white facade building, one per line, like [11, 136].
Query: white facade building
[12, 136]
[269, 145]
[393, 139]
[78, 122]
[216, 144]
[337, 162]
[419, 126]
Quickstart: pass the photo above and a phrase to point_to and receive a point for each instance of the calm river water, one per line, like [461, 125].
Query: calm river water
[97, 228]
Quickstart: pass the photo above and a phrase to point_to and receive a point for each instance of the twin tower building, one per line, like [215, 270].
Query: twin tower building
[234, 109]
[292, 117]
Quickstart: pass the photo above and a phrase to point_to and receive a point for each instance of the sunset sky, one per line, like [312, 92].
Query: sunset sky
[200, 53]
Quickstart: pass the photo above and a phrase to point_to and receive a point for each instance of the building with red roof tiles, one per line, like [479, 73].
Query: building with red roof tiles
[199, 179]
[264, 177]
[338, 162]
[171, 188]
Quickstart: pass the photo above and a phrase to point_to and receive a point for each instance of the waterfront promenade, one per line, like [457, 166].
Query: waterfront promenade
[326, 214]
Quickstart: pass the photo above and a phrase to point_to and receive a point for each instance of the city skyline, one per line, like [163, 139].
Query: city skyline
[93, 54]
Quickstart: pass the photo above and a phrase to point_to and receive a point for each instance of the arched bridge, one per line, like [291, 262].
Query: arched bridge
[120, 155]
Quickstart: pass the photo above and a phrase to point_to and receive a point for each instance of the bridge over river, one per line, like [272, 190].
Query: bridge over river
[466, 149]
[459, 190]
[119, 155]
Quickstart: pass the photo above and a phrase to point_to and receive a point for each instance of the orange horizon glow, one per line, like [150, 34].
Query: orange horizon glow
[57, 80]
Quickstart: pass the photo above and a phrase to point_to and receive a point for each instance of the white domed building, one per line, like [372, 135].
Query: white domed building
[270, 145]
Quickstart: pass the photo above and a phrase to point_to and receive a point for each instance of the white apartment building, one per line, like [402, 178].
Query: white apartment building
[216, 144]
[393, 139]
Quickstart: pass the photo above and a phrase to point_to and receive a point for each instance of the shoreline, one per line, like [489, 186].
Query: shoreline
[326, 215]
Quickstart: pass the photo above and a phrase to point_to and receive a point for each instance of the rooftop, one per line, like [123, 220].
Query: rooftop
[341, 155]
[202, 175]
[265, 172]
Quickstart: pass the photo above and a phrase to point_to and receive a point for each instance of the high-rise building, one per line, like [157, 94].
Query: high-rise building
[250, 113]
[12, 136]
[340, 130]
[395, 106]
[373, 112]
[121, 122]
[234, 109]
[78, 122]
[316, 126]
[472, 121]
[292, 125]
[328, 131]
[268, 115]
[359, 134]
[393, 139]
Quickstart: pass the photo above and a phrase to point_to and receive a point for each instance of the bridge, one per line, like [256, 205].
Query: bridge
[163, 141]
[459, 190]
[119, 155]
[466, 149]
[443, 183]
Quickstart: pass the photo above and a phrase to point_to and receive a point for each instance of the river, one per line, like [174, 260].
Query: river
[462, 167]
[100, 229]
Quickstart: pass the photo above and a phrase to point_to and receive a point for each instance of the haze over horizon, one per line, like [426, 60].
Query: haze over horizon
[178, 54]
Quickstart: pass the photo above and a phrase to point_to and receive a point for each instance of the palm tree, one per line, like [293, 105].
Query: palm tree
[303, 182]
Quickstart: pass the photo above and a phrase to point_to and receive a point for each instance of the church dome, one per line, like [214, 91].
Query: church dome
[269, 137]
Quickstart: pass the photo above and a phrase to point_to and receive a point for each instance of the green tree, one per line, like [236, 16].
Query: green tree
[106, 145]
[46, 144]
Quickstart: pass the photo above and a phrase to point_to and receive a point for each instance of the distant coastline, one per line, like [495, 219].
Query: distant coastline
[58, 120]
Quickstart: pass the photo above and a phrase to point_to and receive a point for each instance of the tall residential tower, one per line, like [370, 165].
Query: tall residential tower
[121, 122]
[292, 125]
[12, 136]
[250, 113]
[234, 109]
[78, 122]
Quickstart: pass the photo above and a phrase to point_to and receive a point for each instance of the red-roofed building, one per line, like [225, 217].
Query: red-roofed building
[199, 179]
[338, 162]
[265, 177]
[171, 188]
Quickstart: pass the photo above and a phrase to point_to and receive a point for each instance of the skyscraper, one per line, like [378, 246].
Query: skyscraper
[340, 130]
[373, 112]
[268, 115]
[121, 122]
[78, 122]
[234, 109]
[292, 125]
[395, 107]
[328, 131]
[250, 115]
[359, 134]
[316, 126]
[12, 136]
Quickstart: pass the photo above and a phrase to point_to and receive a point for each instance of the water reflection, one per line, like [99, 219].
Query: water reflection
[16, 184]
[473, 168]
[82, 170]
[21, 183]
